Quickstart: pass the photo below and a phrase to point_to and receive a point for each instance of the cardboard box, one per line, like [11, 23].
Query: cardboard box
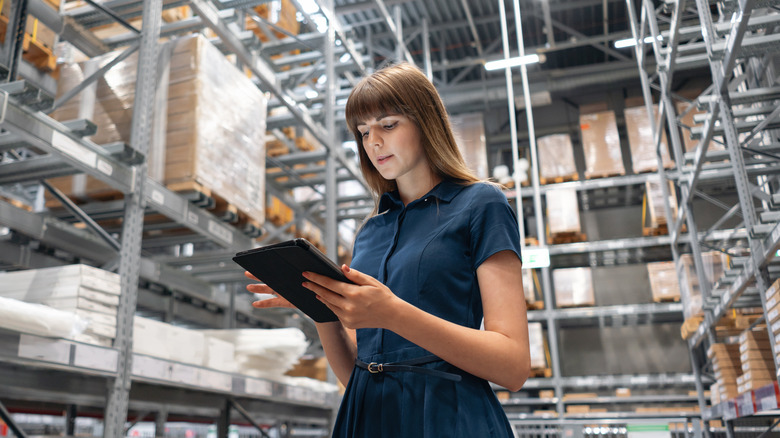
[640, 137]
[556, 156]
[563, 211]
[546, 394]
[536, 344]
[216, 134]
[664, 283]
[579, 395]
[573, 287]
[601, 145]
[577, 409]
[623, 392]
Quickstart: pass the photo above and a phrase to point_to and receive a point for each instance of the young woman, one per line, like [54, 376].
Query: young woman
[440, 254]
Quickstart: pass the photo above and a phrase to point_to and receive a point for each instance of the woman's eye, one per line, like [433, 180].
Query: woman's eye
[364, 134]
[391, 125]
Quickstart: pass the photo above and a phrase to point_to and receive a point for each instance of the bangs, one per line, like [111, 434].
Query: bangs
[370, 99]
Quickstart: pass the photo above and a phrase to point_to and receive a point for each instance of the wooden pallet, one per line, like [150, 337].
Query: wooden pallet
[603, 175]
[690, 325]
[536, 305]
[569, 237]
[559, 179]
[541, 373]
[666, 299]
[659, 230]
[576, 306]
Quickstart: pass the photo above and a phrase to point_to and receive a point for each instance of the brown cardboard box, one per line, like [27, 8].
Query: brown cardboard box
[640, 138]
[547, 393]
[577, 409]
[601, 145]
[315, 368]
[664, 283]
[573, 287]
[623, 392]
[556, 156]
[579, 395]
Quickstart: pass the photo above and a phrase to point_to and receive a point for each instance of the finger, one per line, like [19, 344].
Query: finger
[260, 289]
[250, 276]
[358, 277]
[325, 281]
[272, 302]
[326, 295]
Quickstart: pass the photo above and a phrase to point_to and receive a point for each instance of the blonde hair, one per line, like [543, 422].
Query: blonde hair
[404, 89]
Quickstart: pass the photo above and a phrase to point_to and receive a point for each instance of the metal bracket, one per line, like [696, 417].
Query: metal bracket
[4, 105]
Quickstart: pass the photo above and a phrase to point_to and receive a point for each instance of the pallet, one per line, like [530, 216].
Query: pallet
[536, 305]
[559, 179]
[666, 299]
[229, 213]
[576, 306]
[545, 373]
[690, 326]
[603, 175]
[659, 230]
[569, 237]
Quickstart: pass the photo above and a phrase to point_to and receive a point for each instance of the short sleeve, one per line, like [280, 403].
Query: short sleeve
[493, 226]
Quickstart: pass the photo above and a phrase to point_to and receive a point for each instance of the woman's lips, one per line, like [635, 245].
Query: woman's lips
[383, 159]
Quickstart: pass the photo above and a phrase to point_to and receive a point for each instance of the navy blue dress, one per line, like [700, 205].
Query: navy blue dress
[427, 253]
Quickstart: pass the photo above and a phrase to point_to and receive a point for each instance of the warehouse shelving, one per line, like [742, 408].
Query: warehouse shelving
[739, 50]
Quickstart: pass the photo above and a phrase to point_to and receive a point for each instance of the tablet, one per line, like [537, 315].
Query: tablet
[280, 266]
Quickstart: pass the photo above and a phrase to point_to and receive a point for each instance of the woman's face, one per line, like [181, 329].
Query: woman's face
[393, 144]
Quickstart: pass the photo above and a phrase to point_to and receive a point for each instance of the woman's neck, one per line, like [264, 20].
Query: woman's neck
[408, 190]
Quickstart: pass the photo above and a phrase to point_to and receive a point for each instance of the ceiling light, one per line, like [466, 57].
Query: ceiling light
[631, 42]
[311, 94]
[512, 62]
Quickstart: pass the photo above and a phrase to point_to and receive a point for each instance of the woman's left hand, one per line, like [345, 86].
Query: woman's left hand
[366, 304]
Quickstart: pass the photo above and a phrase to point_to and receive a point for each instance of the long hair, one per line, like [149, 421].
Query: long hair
[404, 89]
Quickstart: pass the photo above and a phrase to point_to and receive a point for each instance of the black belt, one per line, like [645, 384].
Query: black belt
[408, 366]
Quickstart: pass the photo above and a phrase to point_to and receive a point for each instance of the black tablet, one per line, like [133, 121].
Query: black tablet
[280, 266]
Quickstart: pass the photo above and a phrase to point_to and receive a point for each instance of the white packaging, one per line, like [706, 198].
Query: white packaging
[536, 344]
[38, 319]
[220, 355]
[150, 337]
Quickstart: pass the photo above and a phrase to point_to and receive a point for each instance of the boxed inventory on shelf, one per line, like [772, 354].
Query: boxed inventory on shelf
[573, 287]
[264, 353]
[601, 145]
[208, 128]
[644, 157]
[655, 201]
[664, 284]
[556, 156]
[563, 211]
[469, 131]
[536, 344]
[714, 264]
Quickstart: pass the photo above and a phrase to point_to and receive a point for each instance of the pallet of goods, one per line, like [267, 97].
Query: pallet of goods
[205, 107]
[727, 367]
[640, 138]
[539, 366]
[90, 293]
[758, 364]
[664, 284]
[653, 211]
[39, 40]
[280, 14]
[573, 287]
[601, 145]
[556, 159]
[530, 286]
[563, 216]
[469, 131]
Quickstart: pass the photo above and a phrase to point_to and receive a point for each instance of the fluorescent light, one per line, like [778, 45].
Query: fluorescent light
[630, 42]
[512, 62]
[311, 94]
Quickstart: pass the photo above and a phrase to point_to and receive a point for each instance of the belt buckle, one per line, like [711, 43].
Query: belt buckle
[375, 368]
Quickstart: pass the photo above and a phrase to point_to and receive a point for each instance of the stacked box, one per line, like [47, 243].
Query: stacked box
[316, 368]
[573, 287]
[727, 367]
[91, 293]
[528, 286]
[772, 295]
[664, 284]
[469, 130]
[280, 13]
[655, 201]
[170, 342]
[556, 156]
[563, 211]
[640, 137]
[688, 111]
[758, 365]
[536, 343]
[714, 264]
[601, 145]
[208, 127]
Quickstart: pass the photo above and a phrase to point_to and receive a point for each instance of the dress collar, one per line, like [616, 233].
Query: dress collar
[444, 192]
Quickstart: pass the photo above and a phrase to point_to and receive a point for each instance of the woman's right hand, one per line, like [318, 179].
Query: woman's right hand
[276, 301]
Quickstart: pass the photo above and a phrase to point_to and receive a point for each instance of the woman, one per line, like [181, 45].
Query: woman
[442, 252]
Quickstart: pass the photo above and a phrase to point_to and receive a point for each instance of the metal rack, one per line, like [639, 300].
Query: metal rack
[741, 50]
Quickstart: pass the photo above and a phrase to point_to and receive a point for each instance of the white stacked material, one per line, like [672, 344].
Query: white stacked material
[265, 353]
[88, 292]
[220, 355]
[536, 344]
[167, 341]
[38, 319]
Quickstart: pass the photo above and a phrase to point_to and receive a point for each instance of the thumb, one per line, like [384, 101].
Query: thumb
[357, 277]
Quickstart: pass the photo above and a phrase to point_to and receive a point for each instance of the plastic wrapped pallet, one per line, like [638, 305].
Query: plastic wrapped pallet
[91, 293]
[556, 156]
[209, 127]
[469, 130]
[563, 211]
[573, 287]
[640, 137]
[655, 201]
[714, 264]
[664, 283]
[38, 319]
[529, 289]
[265, 353]
[601, 145]
[536, 344]
[167, 341]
